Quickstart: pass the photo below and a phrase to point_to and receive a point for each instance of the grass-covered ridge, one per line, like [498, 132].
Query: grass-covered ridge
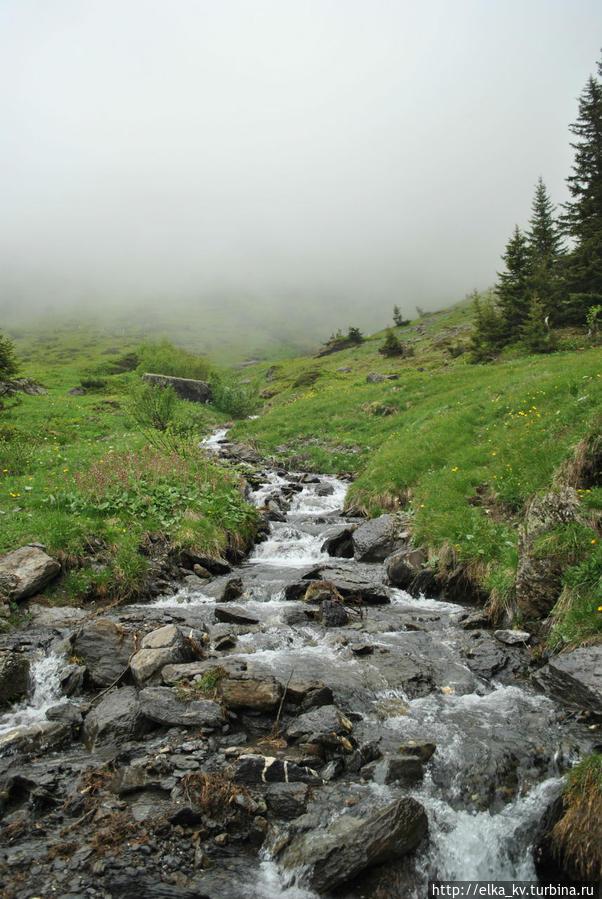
[457, 448]
[86, 476]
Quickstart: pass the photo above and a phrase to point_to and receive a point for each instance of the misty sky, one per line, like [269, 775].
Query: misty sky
[381, 149]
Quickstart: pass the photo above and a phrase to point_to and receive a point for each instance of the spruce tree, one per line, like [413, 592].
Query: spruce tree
[9, 366]
[545, 251]
[582, 217]
[513, 286]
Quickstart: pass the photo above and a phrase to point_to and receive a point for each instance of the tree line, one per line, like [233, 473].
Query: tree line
[553, 270]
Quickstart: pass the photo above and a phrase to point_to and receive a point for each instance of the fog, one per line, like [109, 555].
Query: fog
[322, 154]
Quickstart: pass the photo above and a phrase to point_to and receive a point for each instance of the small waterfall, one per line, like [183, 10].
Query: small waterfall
[482, 846]
[45, 692]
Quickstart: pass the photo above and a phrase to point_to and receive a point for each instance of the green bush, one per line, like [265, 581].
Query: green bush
[231, 397]
[8, 361]
[153, 407]
[165, 359]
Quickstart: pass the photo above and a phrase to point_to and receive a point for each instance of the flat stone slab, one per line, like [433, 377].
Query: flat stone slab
[575, 678]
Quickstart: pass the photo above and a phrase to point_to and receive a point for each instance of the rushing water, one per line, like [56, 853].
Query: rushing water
[495, 769]
[45, 691]
[472, 720]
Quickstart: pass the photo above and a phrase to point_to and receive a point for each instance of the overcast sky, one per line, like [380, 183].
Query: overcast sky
[179, 147]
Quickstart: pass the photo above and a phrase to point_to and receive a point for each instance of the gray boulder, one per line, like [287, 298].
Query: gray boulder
[324, 725]
[116, 718]
[14, 676]
[105, 649]
[403, 566]
[162, 705]
[376, 539]
[185, 388]
[575, 678]
[166, 645]
[231, 614]
[26, 571]
[351, 844]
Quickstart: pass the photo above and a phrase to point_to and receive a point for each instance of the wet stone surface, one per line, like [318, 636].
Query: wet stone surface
[233, 740]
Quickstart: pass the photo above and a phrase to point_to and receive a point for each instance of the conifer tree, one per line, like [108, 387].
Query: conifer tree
[545, 250]
[513, 286]
[582, 217]
[534, 332]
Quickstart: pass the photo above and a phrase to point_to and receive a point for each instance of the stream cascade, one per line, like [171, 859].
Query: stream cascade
[332, 725]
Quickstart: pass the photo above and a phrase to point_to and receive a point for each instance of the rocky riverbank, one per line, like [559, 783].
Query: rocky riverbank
[297, 725]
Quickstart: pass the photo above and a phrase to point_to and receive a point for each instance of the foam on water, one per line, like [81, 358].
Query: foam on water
[212, 441]
[45, 692]
[289, 547]
[482, 846]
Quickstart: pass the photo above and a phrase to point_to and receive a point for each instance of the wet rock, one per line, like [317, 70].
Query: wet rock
[242, 452]
[231, 614]
[333, 614]
[377, 539]
[26, 571]
[72, 679]
[361, 648]
[116, 718]
[14, 677]
[66, 712]
[224, 641]
[538, 578]
[321, 591]
[53, 616]
[247, 692]
[339, 543]
[256, 769]
[35, 738]
[308, 694]
[352, 844]
[424, 751]
[353, 585]
[232, 590]
[188, 558]
[366, 753]
[287, 800]
[475, 621]
[324, 726]
[201, 572]
[105, 648]
[186, 388]
[404, 769]
[403, 566]
[575, 678]
[161, 704]
[512, 637]
[166, 645]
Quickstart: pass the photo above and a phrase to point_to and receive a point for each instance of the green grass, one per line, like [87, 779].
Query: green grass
[79, 469]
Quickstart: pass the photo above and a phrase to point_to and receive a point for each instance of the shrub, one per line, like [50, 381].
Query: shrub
[231, 397]
[8, 360]
[166, 359]
[392, 346]
[153, 407]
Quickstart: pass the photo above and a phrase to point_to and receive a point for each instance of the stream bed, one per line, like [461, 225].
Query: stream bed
[363, 703]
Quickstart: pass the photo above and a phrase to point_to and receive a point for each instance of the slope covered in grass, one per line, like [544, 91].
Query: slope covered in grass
[458, 449]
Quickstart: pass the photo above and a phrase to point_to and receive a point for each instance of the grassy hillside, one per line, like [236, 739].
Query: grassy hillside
[89, 478]
[457, 448]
